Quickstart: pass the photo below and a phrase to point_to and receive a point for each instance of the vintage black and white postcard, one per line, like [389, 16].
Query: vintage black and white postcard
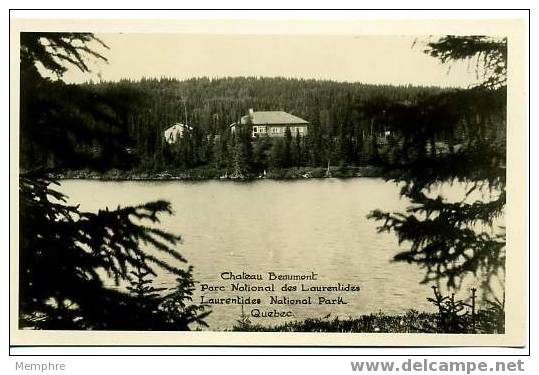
[223, 182]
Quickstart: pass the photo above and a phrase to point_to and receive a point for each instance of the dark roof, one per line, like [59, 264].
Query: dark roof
[273, 118]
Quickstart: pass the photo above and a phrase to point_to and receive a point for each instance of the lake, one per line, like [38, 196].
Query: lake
[284, 227]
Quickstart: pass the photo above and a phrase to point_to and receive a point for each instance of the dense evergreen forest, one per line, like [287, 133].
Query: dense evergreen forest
[348, 123]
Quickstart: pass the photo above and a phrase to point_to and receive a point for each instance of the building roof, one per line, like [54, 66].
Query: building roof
[177, 126]
[273, 118]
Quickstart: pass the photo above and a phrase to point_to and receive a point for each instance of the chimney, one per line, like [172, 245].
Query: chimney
[251, 113]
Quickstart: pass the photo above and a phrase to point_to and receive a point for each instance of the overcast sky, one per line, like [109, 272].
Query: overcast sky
[367, 59]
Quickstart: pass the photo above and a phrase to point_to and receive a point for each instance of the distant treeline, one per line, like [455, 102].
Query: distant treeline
[350, 123]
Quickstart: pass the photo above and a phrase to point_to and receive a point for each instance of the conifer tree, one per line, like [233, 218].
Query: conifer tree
[453, 137]
[63, 251]
[298, 151]
[287, 153]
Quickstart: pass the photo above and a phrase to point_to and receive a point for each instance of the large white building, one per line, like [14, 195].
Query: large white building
[272, 123]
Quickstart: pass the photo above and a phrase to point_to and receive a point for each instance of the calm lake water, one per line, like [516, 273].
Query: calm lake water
[285, 227]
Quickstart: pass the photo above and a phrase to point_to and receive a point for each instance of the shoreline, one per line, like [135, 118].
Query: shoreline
[205, 174]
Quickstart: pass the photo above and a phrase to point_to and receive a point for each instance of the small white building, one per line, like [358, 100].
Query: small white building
[176, 131]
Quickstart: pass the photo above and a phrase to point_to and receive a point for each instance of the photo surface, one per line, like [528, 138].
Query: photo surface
[221, 183]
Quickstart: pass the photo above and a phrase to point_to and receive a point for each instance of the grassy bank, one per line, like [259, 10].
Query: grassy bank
[410, 322]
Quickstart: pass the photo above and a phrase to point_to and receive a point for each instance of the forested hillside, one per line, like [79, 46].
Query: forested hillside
[348, 122]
